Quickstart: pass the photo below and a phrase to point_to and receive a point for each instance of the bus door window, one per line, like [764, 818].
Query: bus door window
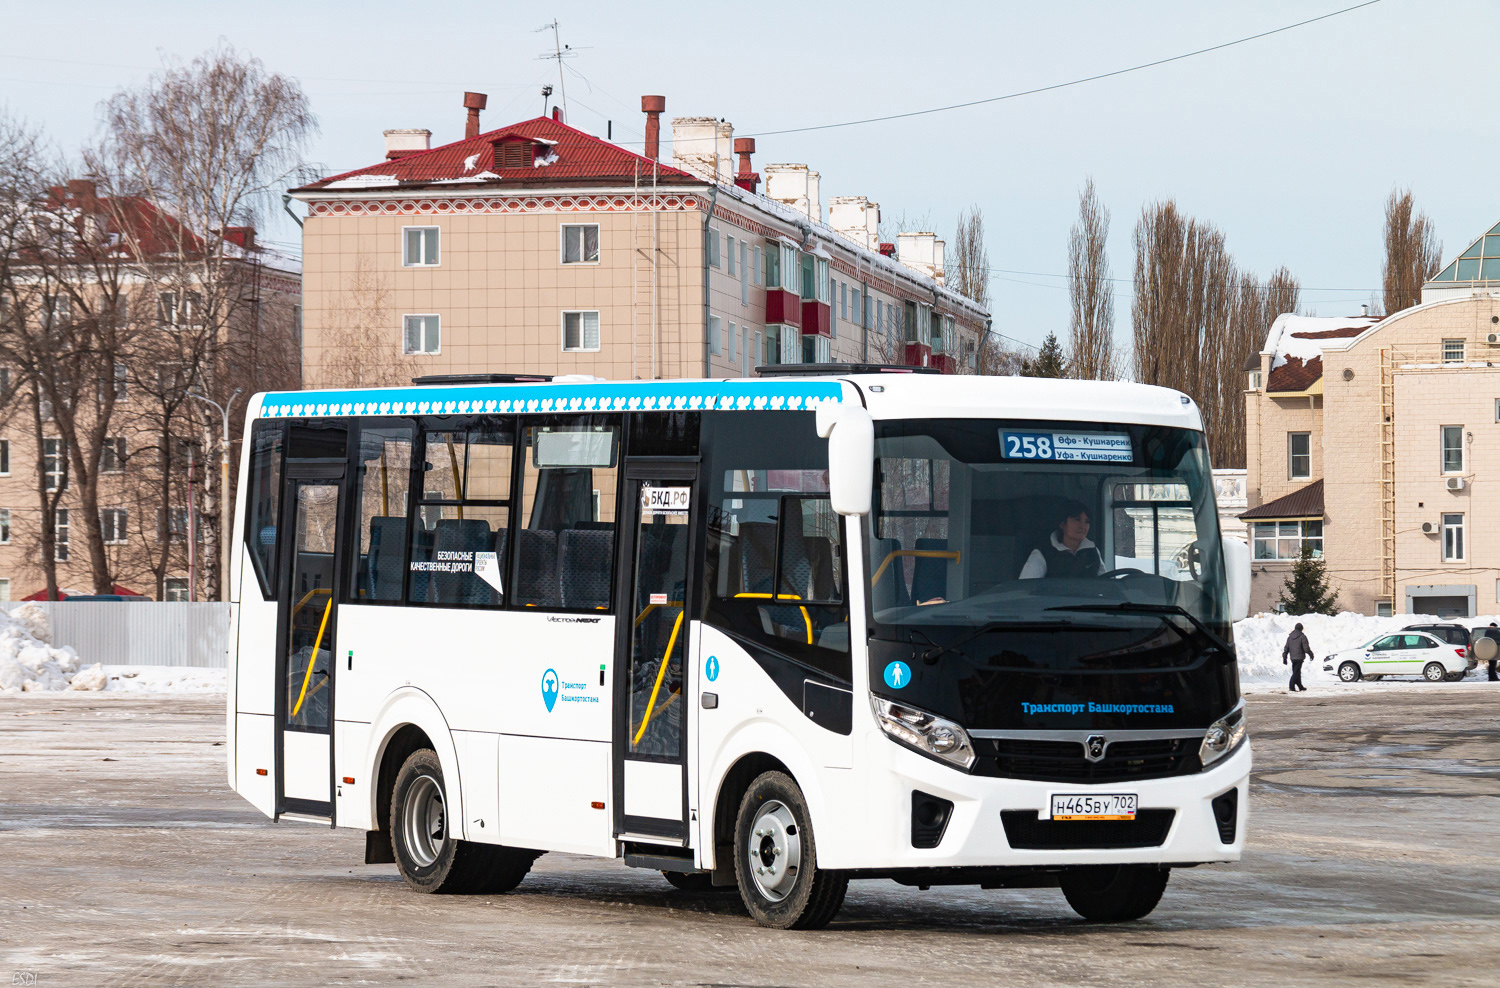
[382, 497]
[566, 540]
[263, 496]
[461, 531]
[310, 636]
[659, 636]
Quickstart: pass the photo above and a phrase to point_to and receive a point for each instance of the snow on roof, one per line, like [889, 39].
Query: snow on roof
[1305, 337]
[362, 182]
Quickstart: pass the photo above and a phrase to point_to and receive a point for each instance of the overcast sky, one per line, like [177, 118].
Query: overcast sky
[1289, 144]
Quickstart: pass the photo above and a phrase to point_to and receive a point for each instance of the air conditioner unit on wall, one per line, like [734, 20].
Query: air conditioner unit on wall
[1454, 483]
[1493, 338]
[1428, 528]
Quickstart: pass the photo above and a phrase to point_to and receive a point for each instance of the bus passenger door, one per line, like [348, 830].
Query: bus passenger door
[307, 615]
[656, 590]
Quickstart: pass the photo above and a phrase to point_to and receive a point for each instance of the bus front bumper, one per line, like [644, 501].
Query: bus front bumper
[976, 834]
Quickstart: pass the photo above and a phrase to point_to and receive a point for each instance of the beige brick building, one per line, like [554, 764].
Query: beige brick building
[1376, 442]
[540, 249]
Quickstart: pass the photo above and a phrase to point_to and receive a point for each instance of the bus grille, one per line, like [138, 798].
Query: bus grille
[1026, 831]
[1064, 761]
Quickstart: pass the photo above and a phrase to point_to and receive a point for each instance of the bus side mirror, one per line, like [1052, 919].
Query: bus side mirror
[1237, 577]
[851, 455]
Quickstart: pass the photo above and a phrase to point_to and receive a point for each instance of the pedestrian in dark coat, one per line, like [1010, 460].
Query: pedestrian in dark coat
[1296, 650]
[1495, 635]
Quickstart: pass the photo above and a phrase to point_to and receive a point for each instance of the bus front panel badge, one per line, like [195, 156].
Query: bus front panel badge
[897, 675]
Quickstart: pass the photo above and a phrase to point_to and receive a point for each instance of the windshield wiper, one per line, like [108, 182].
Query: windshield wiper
[931, 655]
[1128, 607]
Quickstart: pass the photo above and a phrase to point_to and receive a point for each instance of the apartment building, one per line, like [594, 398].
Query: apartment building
[538, 248]
[1375, 443]
[157, 519]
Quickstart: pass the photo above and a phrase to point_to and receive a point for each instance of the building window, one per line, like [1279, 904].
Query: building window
[1453, 351]
[60, 529]
[175, 589]
[4, 457]
[713, 247]
[54, 463]
[117, 381]
[421, 334]
[1286, 539]
[112, 455]
[1383, 608]
[715, 329]
[419, 246]
[1255, 380]
[744, 274]
[755, 266]
[1299, 455]
[729, 343]
[729, 260]
[843, 300]
[1453, 538]
[112, 525]
[4, 526]
[580, 243]
[1453, 449]
[179, 310]
[580, 330]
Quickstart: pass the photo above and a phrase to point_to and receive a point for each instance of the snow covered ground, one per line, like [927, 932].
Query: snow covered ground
[28, 661]
[164, 679]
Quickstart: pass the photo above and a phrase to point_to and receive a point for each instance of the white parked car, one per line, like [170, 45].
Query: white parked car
[1404, 653]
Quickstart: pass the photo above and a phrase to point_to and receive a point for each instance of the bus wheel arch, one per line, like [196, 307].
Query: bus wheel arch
[401, 745]
[732, 789]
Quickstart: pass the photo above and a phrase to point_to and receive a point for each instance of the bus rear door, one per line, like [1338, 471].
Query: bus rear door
[307, 616]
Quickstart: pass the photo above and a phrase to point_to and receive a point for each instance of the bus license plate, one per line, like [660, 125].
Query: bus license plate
[1094, 806]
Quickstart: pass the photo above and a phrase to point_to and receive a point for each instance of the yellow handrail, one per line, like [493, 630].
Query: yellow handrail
[313, 659]
[786, 596]
[953, 554]
[307, 596]
[660, 674]
[649, 608]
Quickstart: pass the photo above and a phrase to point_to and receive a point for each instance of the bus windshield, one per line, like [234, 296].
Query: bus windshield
[1020, 563]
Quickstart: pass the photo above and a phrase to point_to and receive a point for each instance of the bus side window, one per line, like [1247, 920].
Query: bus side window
[382, 488]
[775, 566]
[461, 527]
[263, 493]
[565, 542]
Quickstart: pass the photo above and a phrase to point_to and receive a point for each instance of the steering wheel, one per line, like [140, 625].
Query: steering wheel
[1124, 573]
[1194, 554]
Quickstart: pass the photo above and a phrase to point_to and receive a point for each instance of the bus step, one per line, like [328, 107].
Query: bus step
[659, 858]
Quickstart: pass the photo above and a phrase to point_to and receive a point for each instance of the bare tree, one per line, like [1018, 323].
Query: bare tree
[1413, 252]
[199, 152]
[1091, 330]
[968, 273]
[358, 349]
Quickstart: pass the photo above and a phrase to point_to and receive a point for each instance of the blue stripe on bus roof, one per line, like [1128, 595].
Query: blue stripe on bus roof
[612, 396]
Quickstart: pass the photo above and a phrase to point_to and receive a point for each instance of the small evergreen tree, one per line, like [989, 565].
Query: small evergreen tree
[1307, 590]
[1050, 360]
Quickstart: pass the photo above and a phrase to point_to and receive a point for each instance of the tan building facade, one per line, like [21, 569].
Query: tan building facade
[539, 249]
[1376, 444]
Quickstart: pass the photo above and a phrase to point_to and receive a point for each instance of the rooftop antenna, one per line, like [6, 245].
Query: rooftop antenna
[559, 52]
[546, 94]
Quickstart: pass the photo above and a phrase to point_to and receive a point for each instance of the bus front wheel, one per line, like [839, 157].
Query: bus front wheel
[1114, 893]
[776, 859]
[428, 854]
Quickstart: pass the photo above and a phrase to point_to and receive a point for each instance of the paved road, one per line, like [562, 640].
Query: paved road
[127, 861]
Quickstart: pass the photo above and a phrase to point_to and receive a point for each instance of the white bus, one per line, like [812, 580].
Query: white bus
[772, 634]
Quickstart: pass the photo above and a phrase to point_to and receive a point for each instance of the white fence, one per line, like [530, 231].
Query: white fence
[141, 634]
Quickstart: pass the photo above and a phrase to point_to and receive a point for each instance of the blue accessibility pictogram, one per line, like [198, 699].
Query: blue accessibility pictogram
[897, 675]
[711, 668]
[549, 689]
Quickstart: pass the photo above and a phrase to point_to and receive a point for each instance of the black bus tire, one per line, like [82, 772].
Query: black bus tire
[1114, 893]
[776, 859]
[428, 856]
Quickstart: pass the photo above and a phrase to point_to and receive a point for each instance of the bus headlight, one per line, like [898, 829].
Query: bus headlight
[927, 733]
[1224, 735]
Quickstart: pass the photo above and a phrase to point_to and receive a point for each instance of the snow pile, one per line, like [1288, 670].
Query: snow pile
[1259, 640]
[164, 679]
[29, 663]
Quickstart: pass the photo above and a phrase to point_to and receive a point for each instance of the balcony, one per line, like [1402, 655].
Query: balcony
[945, 363]
[817, 317]
[917, 355]
[783, 307]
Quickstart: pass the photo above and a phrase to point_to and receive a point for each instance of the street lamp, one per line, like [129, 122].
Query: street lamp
[224, 520]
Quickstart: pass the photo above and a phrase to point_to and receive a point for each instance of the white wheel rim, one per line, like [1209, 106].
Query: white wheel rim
[774, 853]
[425, 821]
[1433, 677]
[1348, 674]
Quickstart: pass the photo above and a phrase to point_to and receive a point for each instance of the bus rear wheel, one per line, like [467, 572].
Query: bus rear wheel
[1114, 893]
[776, 859]
[428, 855]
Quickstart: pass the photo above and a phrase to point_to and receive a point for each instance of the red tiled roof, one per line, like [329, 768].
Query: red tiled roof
[1342, 333]
[581, 159]
[1305, 502]
[1295, 375]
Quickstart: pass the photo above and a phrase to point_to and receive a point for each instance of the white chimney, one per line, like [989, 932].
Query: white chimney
[704, 146]
[797, 186]
[922, 252]
[857, 219]
[400, 143]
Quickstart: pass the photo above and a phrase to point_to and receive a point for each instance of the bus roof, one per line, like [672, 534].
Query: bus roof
[888, 396]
